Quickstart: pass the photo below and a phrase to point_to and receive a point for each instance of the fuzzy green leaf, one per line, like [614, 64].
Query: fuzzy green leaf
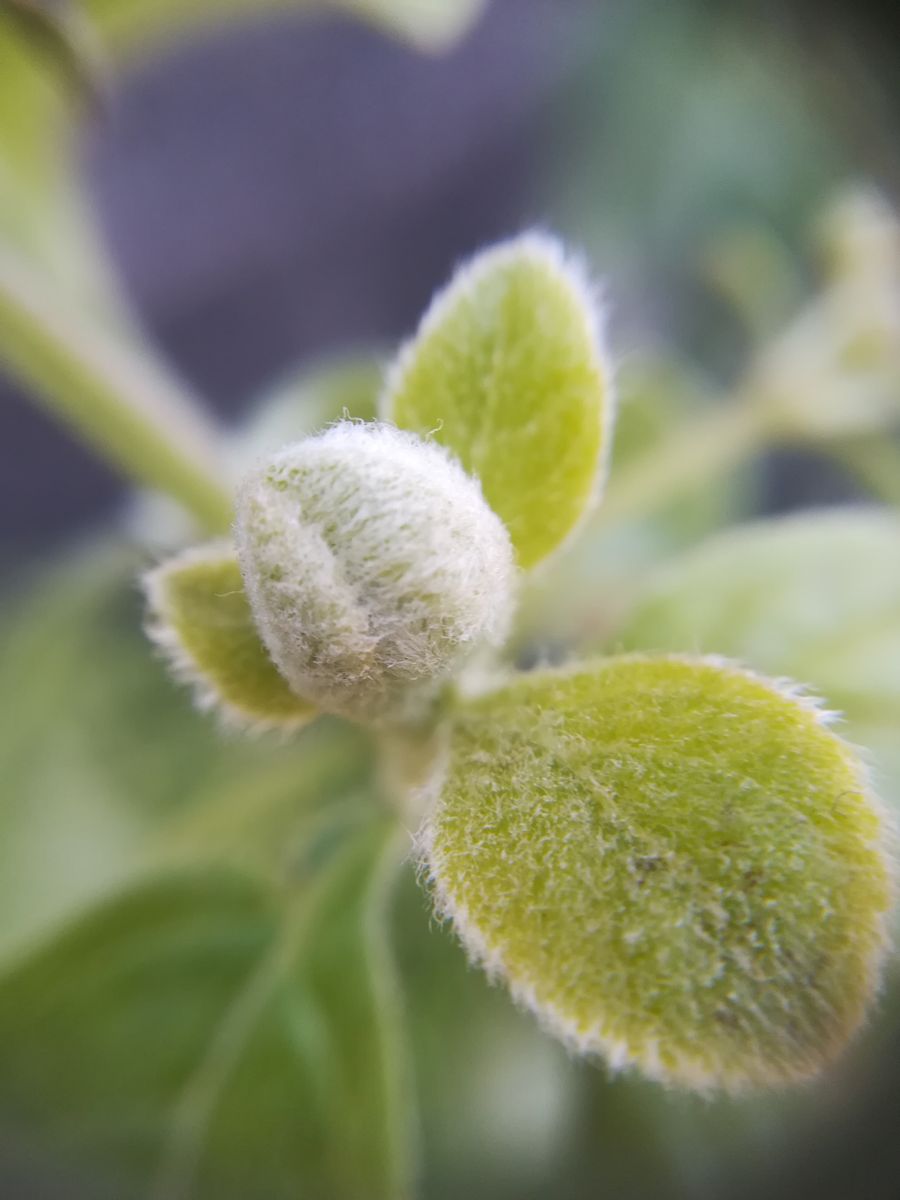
[673, 861]
[199, 1038]
[507, 370]
[815, 597]
[200, 617]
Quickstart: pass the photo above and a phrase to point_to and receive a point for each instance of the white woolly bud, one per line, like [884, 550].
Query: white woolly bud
[374, 567]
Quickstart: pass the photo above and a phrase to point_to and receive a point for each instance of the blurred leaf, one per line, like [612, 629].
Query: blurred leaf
[204, 1033]
[498, 1098]
[752, 270]
[200, 617]
[305, 403]
[834, 372]
[507, 370]
[672, 861]
[60, 29]
[815, 597]
[43, 214]
[662, 396]
[109, 776]
[104, 762]
[64, 331]
[859, 239]
[95, 747]
[430, 24]
[694, 150]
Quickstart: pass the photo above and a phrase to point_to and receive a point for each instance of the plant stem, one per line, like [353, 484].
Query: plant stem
[712, 443]
[405, 764]
[121, 402]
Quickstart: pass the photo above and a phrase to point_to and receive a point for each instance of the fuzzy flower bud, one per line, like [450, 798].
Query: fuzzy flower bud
[374, 568]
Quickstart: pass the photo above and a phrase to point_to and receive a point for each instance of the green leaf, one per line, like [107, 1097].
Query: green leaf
[200, 617]
[815, 597]
[203, 1037]
[673, 861]
[507, 370]
[96, 748]
[110, 777]
[108, 770]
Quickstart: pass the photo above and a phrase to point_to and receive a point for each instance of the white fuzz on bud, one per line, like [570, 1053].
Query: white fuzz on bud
[374, 567]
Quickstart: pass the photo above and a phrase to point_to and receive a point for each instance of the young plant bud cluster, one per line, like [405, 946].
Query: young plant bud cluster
[373, 566]
[675, 862]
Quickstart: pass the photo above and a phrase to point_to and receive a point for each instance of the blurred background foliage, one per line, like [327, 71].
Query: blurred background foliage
[196, 995]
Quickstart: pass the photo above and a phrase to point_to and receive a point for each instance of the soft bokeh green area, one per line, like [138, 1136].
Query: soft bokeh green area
[814, 597]
[194, 978]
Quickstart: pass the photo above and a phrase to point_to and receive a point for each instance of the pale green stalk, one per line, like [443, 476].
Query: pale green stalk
[120, 402]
